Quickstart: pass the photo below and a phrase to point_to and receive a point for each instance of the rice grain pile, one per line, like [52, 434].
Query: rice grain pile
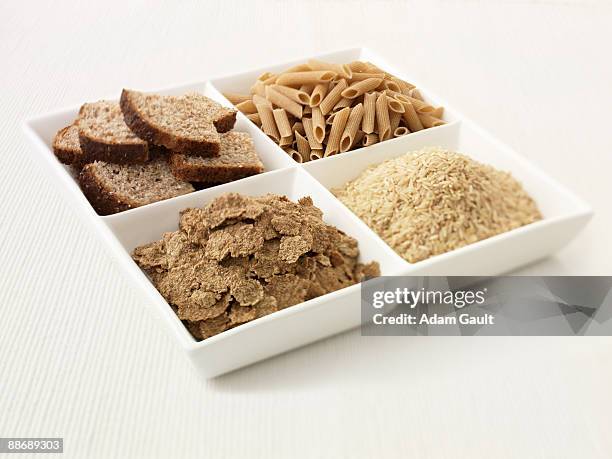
[432, 201]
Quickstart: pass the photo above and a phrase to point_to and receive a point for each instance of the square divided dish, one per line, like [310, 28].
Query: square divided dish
[564, 215]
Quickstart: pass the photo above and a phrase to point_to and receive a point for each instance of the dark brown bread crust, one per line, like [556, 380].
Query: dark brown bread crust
[225, 123]
[66, 156]
[150, 133]
[102, 200]
[211, 175]
[95, 150]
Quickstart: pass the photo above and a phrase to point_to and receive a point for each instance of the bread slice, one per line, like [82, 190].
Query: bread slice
[237, 159]
[188, 124]
[66, 146]
[104, 136]
[112, 188]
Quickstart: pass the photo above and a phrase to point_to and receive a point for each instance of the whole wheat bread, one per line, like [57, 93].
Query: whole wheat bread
[104, 136]
[112, 188]
[66, 146]
[188, 124]
[237, 159]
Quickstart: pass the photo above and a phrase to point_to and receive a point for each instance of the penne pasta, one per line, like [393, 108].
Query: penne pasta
[307, 110]
[382, 117]
[300, 78]
[361, 87]
[395, 105]
[318, 94]
[392, 86]
[369, 112]
[358, 138]
[254, 117]
[343, 70]
[358, 66]
[414, 93]
[364, 76]
[318, 124]
[259, 100]
[314, 143]
[307, 88]
[286, 141]
[294, 155]
[298, 127]
[400, 131]
[270, 80]
[437, 112]
[268, 125]
[316, 154]
[264, 76]
[247, 107]
[259, 88]
[298, 68]
[282, 101]
[429, 121]
[236, 98]
[369, 139]
[344, 102]
[296, 95]
[394, 121]
[303, 146]
[333, 143]
[282, 123]
[350, 130]
[411, 118]
[332, 97]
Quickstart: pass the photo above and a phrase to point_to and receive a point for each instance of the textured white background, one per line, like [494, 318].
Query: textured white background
[81, 358]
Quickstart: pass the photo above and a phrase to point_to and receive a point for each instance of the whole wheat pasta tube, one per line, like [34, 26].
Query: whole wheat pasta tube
[364, 76]
[344, 102]
[330, 119]
[307, 110]
[394, 121]
[336, 131]
[282, 123]
[264, 76]
[282, 101]
[400, 131]
[382, 117]
[411, 118]
[369, 112]
[318, 94]
[298, 127]
[343, 70]
[298, 68]
[332, 97]
[286, 141]
[296, 95]
[255, 118]
[294, 155]
[437, 112]
[414, 93]
[300, 78]
[271, 80]
[314, 143]
[369, 139]
[392, 86]
[247, 107]
[352, 125]
[395, 105]
[303, 147]
[358, 138]
[318, 124]
[236, 98]
[259, 88]
[361, 87]
[268, 125]
[419, 105]
[307, 88]
[259, 100]
[358, 66]
[430, 121]
[316, 154]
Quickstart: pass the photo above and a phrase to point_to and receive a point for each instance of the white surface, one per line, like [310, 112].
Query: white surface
[81, 358]
[564, 215]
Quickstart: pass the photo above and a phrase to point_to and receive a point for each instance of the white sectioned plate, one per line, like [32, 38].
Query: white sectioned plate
[564, 216]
